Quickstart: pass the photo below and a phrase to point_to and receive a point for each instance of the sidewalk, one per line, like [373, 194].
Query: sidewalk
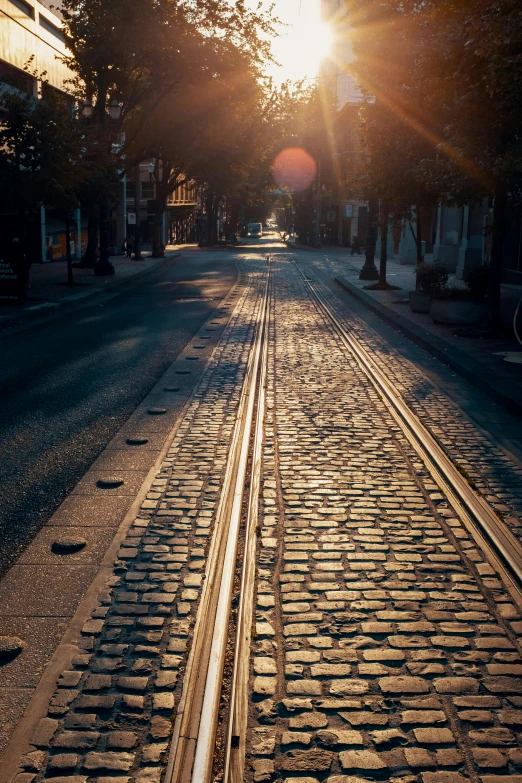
[49, 292]
[476, 359]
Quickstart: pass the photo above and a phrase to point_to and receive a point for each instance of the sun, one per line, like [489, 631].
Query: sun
[304, 44]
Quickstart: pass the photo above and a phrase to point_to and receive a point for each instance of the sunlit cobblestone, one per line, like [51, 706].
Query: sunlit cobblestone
[493, 472]
[384, 645]
[394, 653]
[111, 714]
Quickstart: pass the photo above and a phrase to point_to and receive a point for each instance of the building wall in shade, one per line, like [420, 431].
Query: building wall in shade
[29, 29]
[335, 70]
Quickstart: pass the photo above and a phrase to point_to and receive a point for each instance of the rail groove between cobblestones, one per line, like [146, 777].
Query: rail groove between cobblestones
[194, 736]
[492, 535]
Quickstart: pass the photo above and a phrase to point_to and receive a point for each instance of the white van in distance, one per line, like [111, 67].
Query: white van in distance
[254, 230]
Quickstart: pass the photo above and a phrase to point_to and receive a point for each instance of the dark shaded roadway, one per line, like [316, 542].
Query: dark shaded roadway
[68, 385]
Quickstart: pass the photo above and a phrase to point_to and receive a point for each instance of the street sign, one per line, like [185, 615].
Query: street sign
[348, 210]
[10, 283]
[131, 218]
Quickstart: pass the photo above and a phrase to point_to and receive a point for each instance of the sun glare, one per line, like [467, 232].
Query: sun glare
[303, 45]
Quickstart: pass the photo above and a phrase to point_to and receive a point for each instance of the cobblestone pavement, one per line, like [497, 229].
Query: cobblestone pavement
[385, 647]
[493, 472]
[110, 717]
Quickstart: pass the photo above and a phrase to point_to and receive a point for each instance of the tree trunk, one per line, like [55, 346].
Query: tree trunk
[235, 209]
[137, 204]
[70, 280]
[497, 257]
[384, 227]
[210, 219]
[418, 238]
[91, 251]
[158, 248]
[215, 208]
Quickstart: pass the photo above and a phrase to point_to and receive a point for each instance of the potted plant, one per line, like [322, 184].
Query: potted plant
[463, 306]
[431, 278]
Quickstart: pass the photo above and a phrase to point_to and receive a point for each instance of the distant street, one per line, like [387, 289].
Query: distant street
[68, 385]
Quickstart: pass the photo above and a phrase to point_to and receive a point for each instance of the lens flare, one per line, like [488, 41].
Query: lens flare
[294, 169]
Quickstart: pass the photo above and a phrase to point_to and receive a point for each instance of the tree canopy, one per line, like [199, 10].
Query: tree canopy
[443, 76]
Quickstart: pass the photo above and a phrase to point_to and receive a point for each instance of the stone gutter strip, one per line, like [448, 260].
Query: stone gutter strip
[467, 367]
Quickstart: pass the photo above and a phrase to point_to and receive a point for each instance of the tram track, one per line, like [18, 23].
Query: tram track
[194, 739]
[500, 546]
[193, 749]
[193, 744]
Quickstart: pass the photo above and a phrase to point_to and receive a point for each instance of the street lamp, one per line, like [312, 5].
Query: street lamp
[103, 266]
[87, 109]
[369, 270]
[114, 110]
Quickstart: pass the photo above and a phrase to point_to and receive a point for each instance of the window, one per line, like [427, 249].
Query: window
[27, 8]
[147, 190]
[52, 6]
[16, 78]
[51, 28]
[50, 93]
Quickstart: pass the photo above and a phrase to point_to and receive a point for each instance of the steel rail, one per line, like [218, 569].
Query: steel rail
[490, 532]
[194, 735]
[235, 750]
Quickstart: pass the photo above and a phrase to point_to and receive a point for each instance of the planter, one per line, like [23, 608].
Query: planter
[451, 311]
[419, 303]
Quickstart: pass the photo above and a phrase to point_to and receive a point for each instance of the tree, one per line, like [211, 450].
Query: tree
[22, 151]
[304, 121]
[150, 56]
[47, 156]
[451, 69]
[475, 96]
[393, 172]
[199, 132]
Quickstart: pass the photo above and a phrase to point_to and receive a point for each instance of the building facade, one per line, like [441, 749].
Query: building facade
[335, 70]
[179, 219]
[31, 38]
[30, 32]
[344, 213]
[463, 240]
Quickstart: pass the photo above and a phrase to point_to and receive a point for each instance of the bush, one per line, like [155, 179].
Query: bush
[455, 294]
[477, 280]
[431, 278]
[476, 290]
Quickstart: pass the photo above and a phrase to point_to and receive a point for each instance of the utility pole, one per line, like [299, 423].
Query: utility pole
[317, 237]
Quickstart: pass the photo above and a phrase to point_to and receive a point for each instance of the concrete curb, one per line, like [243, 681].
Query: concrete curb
[31, 316]
[455, 358]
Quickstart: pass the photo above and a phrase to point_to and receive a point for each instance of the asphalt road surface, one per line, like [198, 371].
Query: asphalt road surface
[68, 385]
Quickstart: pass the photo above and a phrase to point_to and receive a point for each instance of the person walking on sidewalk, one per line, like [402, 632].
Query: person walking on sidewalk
[129, 245]
[356, 246]
[21, 265]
